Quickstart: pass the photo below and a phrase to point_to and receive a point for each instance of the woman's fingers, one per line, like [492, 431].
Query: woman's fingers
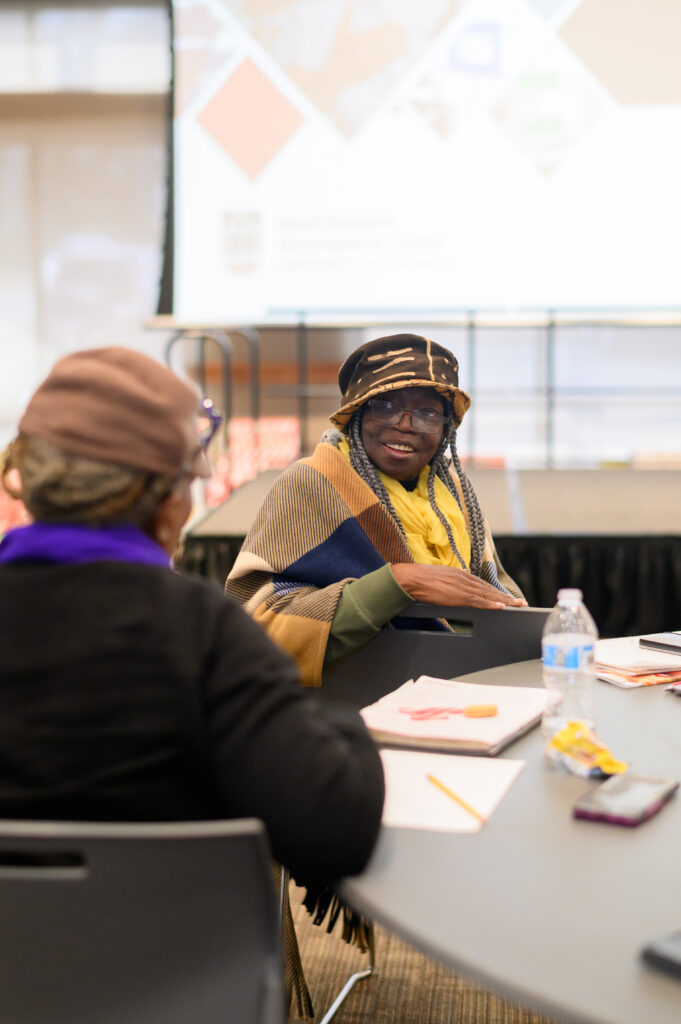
[443, 584]
[479, 594]
[488, 596]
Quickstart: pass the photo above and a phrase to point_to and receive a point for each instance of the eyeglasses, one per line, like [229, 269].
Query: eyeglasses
[209, 423]
[425, 421]
[209, 420]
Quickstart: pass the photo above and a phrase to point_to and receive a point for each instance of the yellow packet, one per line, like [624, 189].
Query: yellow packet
[578, 749]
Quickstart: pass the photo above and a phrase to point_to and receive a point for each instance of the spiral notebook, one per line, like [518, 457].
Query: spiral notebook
[428, 714]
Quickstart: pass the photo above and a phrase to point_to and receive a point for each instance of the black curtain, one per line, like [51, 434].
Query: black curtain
[631, 585]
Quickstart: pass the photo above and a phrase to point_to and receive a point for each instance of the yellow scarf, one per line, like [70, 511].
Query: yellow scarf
[426, 536]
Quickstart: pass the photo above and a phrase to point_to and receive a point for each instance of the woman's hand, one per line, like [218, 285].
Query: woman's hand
[445, 585]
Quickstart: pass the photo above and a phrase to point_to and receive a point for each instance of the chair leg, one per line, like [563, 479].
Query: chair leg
[354, 978]
[283, 890]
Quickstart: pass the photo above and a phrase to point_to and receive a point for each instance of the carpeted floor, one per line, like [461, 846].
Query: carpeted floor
[406, 988]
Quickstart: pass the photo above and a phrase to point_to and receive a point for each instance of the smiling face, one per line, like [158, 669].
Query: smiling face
[399, 450]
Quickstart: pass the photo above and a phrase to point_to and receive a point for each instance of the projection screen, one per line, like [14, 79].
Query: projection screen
[345, 159]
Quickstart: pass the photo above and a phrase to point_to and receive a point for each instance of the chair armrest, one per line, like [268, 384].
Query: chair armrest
[465, 614]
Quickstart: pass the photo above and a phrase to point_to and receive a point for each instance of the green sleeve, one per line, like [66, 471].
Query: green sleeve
[365, 605]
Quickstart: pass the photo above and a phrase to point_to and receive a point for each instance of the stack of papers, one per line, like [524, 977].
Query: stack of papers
[429, 714]
[625, 663]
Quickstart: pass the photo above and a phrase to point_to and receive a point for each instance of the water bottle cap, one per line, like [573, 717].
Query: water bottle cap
[570, 594]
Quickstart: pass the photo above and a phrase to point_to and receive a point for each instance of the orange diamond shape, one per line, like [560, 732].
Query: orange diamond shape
[250, 118]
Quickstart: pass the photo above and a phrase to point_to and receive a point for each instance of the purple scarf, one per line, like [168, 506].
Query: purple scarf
[74, 543]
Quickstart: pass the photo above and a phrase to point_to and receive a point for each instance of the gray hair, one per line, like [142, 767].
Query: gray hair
[440, 468]
[59, 487]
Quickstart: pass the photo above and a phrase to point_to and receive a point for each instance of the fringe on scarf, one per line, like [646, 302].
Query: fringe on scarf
[298, 998]
[323, 903]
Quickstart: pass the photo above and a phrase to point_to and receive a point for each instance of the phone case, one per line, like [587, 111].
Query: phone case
[587, 807]
[619, 819]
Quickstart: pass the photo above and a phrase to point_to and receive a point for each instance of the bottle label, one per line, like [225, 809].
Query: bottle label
[560, 656]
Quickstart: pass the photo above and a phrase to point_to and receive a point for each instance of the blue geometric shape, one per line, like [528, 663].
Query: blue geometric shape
[489, 33]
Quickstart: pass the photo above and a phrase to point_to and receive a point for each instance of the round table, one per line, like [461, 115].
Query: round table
[540, 907]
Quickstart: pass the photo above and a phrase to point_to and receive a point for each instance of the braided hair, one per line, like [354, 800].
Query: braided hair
[439, 467]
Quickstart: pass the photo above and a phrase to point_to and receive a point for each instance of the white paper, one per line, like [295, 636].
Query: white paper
[624, 653]
[413, 801]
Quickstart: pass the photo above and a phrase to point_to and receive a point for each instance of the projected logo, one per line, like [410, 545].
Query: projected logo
[241, 241]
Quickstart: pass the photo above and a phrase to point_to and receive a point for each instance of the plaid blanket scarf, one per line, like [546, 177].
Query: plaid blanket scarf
[319, 527]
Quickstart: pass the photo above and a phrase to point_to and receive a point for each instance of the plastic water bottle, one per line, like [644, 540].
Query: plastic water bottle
[568, 642]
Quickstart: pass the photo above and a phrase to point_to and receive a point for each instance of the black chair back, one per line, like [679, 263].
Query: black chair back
[491, 638]
[138, 924]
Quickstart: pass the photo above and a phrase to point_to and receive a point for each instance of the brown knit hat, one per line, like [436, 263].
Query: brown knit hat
[119, 406]
[398, 361]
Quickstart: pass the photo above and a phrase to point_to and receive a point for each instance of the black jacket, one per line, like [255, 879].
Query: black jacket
[130, 693]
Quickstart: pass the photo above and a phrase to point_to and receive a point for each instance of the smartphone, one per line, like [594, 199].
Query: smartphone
[669, 642]
[625, 799]
[664, 953]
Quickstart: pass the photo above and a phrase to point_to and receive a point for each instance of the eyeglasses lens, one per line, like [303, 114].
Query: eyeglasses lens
[425, 421]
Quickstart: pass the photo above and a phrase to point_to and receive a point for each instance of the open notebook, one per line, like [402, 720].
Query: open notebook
[428, 714]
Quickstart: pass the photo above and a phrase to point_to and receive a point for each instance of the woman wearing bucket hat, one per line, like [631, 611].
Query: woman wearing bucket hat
[378, 517]
[130, 692]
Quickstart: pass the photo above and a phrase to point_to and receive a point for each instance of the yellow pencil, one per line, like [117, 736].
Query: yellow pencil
[457, 799]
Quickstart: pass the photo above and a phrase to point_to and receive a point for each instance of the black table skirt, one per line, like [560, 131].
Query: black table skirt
[630, 584]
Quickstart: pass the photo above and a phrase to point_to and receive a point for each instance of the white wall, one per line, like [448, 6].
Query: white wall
[83, 95]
